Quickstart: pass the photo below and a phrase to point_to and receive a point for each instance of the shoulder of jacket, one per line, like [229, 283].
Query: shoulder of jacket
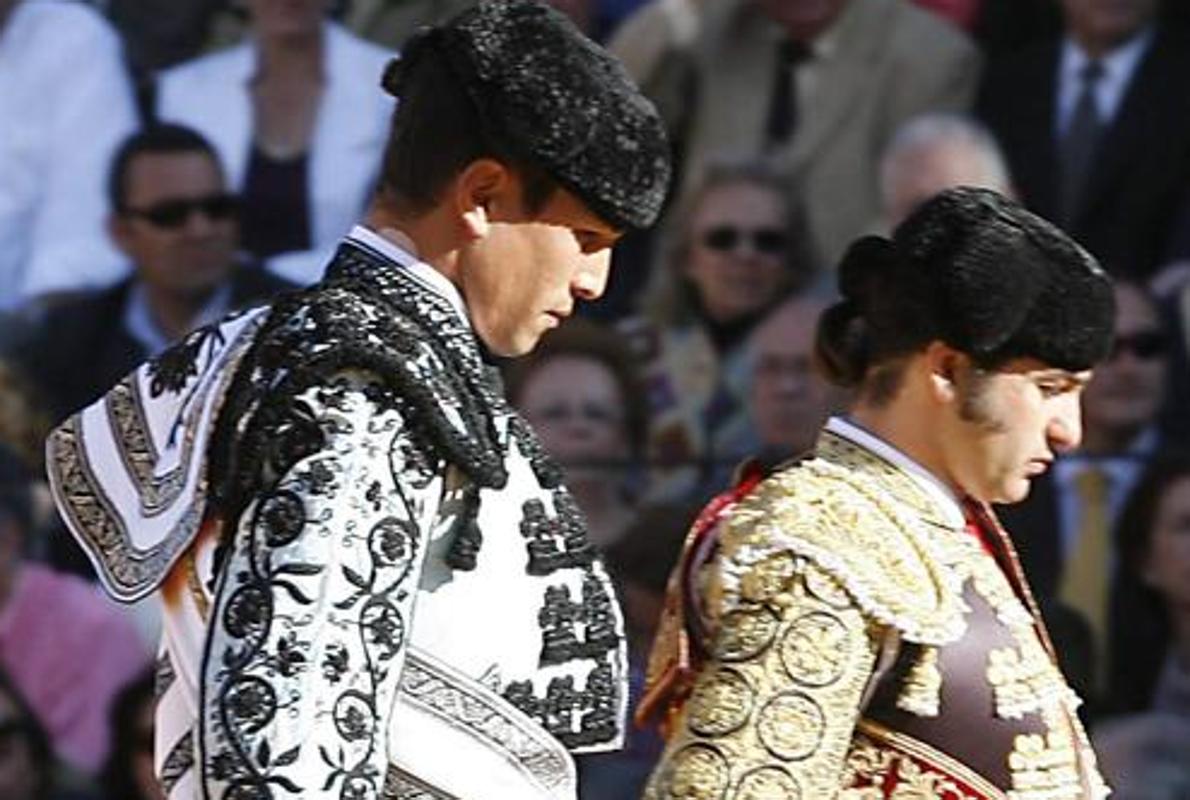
[895, 568]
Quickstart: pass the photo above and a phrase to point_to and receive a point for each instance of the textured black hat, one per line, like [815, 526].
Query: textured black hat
[550, 96]
[987, 277]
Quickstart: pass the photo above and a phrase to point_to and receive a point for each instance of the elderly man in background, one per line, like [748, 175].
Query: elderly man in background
[934, 152]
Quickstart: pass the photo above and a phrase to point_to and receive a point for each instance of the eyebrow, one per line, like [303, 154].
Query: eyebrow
[1062, 375]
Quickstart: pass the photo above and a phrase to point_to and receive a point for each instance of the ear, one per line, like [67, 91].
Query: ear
[944, 366]
[480, 191]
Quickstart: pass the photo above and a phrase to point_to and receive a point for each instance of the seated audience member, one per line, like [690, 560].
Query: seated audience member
[1145, 755]
[820, 87]
[65, 646]
[1063, 528]
[934, 152]
[735, 252]
[640, 563]
[65, 104]
[789, 401]
[580, 392]
[128, 773]
[1095, 123]
[297, 114]
[176, 222]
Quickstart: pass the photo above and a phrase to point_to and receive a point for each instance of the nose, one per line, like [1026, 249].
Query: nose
[590, 278]
[1065, 429]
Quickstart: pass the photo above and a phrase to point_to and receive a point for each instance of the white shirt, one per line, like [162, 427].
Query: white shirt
[140, 325]
[942, 494]
[61, 119]
[427, 275]
[1118, 68]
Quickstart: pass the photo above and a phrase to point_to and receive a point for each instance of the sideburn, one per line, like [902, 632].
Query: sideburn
[973, 386]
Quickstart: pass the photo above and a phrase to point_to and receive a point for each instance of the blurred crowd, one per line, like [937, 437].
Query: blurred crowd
[164, 162]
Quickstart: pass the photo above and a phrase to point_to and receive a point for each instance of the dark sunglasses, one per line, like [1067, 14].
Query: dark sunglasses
[726, 238]
[176, 213]
[1143, 345]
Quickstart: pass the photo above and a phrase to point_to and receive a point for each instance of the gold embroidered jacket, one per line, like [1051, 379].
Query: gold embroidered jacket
[857, 646]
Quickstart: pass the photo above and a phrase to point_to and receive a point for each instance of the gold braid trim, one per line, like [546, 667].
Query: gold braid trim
[861, 521]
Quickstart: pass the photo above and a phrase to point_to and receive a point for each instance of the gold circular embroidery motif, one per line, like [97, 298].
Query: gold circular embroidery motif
[768, 783]
[744, 634]
[790, 726]
[815, 648]
[696, 772]
[720, 704]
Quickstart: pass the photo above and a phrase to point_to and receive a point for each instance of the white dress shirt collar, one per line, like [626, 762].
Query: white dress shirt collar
[942, 495]
[140, 325]
[431, 278]
[1119, 66]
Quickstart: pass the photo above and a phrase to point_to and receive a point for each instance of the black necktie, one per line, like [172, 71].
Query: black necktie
[783, 111]
[1079, 143]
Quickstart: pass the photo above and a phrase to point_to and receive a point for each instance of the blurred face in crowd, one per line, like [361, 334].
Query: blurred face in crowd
[919, 173]
[1168, 564]
[577, 408]
[804, 20]
[287, 18]
[1128, 388]
[522, 272]
[738, 249]
[179, 224]
[790, 401]
[1003, 427]
[1099, 25]
[579, 11]
[19, 776]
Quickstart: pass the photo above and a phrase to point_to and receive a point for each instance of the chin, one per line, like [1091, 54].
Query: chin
[1013, 492]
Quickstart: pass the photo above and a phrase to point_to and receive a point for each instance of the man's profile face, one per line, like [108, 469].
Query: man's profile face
[525, 275]
[179, 225]
[1007, 425]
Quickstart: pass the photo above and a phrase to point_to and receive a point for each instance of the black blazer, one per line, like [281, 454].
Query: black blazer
[1141, 173]
[79, 349]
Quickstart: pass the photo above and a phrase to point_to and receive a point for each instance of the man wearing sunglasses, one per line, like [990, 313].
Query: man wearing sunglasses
[173, 218]
[375, 583]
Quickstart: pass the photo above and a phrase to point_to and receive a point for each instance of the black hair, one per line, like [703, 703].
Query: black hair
[118, 777]
[437, 131]
[972, 269]
[157, 138]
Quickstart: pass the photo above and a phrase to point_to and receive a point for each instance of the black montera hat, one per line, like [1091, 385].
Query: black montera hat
[979, 272]
[550, 96]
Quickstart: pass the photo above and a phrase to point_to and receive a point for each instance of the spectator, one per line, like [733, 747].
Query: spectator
[789, 400]
[934, 152]
[640, 563]
[1145, 756]
[1064, 526]
[62, 643]
[736, 250]
[819, 85]
[298, 117]
[173, 218]
[580, 392]
[391, 22]
[62, 119]
[1096, 127]
[128, 773]
[26, 760]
